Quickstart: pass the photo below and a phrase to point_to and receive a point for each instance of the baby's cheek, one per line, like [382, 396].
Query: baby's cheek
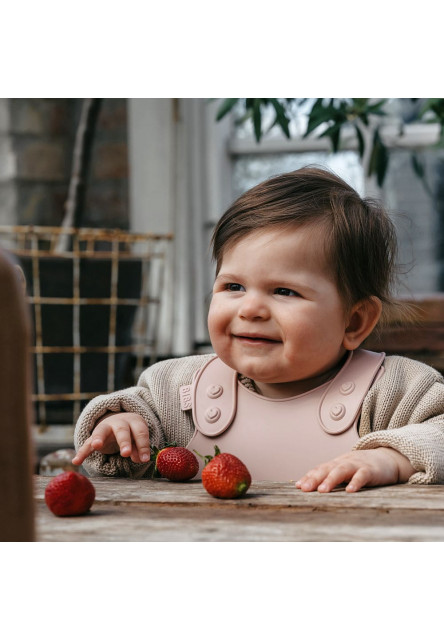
[212, 321]
[214, 329]
[217, 316]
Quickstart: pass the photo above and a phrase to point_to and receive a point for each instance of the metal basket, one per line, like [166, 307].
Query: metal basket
[74, 295]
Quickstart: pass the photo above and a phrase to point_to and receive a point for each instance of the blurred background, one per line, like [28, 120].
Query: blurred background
[170, 167]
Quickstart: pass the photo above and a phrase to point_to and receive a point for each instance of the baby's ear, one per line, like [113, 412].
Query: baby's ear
[361, 322]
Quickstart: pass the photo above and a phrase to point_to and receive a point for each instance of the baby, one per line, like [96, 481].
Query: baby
[304, 270]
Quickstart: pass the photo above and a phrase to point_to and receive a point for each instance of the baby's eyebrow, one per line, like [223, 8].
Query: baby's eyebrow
[227, 277]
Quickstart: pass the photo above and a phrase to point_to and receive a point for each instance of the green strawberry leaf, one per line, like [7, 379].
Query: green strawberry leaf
[208, 458]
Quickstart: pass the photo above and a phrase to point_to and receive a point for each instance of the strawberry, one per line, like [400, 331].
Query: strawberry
[175, 463]
[225, 476]
[69, 494]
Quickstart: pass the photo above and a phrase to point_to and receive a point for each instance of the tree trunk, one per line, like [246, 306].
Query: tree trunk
[75, 204]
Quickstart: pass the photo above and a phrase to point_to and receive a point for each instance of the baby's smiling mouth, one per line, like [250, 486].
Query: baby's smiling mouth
[255, 338]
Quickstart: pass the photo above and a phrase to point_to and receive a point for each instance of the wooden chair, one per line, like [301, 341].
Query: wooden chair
[422, 339]
[16, 452]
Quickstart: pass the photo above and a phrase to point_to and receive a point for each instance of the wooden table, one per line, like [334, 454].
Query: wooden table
[158, 510]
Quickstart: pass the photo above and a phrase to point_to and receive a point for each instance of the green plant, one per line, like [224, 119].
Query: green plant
[330, 117]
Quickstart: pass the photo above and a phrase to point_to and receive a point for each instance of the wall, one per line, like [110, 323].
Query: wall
[36, 144]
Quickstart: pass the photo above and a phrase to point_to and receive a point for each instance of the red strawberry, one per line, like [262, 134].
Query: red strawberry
[176, 463]
[69, 494]
[225, 476]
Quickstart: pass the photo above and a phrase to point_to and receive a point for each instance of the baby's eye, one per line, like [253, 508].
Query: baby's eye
[234, 286]
[283, 291]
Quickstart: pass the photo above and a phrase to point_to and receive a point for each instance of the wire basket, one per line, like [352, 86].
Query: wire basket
[95, 297]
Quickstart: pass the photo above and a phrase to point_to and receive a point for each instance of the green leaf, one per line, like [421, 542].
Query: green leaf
[376, 107]
[206, 458]
[243, 118]
[334, 133]
[379, 159]
[360, 103]
[382, 166]
[317, 109]
[333, 113]
[436, 106]
[226, 106]
[361, 144]
[319, 115]
[335, 137]
[281, 116]
[273, 124]
[257, 119]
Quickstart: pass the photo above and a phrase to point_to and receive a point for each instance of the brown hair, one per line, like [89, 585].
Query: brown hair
[360, 238]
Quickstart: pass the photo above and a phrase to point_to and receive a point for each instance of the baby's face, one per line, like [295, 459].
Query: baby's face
[276, 315]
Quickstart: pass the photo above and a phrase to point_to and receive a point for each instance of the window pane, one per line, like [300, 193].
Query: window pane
[250, 169]
[418, 216]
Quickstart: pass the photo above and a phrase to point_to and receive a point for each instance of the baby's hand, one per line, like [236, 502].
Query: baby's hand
[366, 467]
[126, 433]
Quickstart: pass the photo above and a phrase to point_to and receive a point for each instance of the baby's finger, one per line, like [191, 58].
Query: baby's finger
[83, 452]
[339, 474]
[122, 435]
[103, 439]
[361, 478]
[141, 439]
[97, 442]
[313, 478]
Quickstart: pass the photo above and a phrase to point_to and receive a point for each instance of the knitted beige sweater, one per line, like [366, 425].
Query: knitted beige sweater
[404, 410]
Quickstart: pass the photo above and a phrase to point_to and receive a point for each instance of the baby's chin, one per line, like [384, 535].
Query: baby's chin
[272, 381]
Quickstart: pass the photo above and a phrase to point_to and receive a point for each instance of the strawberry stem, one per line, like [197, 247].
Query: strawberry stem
[208, 458]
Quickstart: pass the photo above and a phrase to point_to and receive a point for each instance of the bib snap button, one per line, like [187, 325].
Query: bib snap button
[212, 414]
[214, 391]
[347, 387]
[337, 411]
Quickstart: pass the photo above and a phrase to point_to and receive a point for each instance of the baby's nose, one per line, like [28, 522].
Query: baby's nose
[253, 305]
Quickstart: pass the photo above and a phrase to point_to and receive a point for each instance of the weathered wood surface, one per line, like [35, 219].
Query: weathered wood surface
[158, 510]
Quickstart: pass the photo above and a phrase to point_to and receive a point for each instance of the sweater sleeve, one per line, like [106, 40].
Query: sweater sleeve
[404, 410]
[133, 400]
[156, 400]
